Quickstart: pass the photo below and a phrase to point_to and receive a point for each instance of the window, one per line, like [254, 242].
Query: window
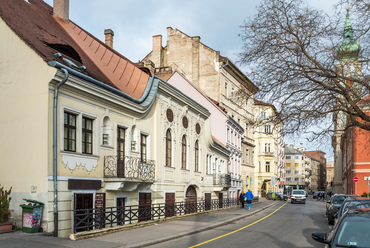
[69, 132]
[296, 165]
[196, 148]
[143, 145]
[232, 93]
[225, 88]
[267, 166]
[267, 147]
[183, 153]
[288, 157]
[288, 179]
[296, 157]
[247, 156]
[296, 179]
[263, 114]
[296, 172]
[87, 130]
[287, 165]
[168, 148]
[287, 172]
[268, 129]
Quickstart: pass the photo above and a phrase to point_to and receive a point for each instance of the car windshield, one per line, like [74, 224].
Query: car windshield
[354, 233]
[356, 205]
[298, 192]
[339, 199]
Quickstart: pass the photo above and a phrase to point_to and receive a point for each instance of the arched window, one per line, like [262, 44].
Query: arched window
[168, 148]
[183, 153]
[196, 155]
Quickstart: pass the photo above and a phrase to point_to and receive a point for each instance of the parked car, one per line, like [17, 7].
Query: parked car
[269, 196]
[352, 230]
[315, 194]
[334, 206]
[328, 202]
[298, 195]
[281, 197]
[352, 203]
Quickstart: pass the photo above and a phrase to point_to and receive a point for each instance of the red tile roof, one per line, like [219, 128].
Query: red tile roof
[34, 23]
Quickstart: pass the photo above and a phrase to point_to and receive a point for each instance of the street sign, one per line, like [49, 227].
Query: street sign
[325, 184]
[281, 183]
[355, 179]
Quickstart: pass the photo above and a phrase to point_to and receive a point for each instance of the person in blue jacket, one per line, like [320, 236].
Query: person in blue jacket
[248, 198]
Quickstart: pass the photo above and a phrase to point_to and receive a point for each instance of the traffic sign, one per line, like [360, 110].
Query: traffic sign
[325, 184]
[281, 183]
[355, 179]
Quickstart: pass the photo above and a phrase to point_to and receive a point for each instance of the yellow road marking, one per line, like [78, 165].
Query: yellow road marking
[227, 234]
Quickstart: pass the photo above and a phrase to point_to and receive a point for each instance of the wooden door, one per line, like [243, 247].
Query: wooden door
[208, 201]
[145, 206]
[191, 200]
[120, 152]
[170, 204]
[121, 203]
[220, 200]
[84, 212]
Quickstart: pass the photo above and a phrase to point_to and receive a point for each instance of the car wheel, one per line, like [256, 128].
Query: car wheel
[330, 221]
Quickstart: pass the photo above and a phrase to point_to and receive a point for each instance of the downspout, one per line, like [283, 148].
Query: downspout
[66, 75]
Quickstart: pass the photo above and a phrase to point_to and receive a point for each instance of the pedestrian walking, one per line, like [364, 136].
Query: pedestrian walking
[248, 198]
[241, 199]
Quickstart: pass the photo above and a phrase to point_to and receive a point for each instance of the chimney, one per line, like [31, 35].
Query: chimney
[109, 37]
[61, 9]
[169, 31]
[157, 42]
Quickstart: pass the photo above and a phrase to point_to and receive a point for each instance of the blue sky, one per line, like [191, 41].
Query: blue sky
[135, 22]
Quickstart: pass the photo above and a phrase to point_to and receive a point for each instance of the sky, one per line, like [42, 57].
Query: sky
[134, 23]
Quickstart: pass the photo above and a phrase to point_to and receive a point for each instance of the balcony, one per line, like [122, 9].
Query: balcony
[221, 182]
[128, 174]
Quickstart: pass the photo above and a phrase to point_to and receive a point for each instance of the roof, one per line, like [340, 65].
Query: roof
[34, 23]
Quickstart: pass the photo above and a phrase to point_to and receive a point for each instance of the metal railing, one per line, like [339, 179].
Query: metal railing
[132, 168]
[223, 180]
[98, 218]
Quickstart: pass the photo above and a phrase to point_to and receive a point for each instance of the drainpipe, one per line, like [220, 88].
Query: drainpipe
[66, 75]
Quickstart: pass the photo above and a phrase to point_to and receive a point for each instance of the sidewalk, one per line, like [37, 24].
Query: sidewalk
[138, 237]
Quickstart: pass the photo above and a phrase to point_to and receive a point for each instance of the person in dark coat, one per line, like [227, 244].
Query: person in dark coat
[248, 197]
[241, 199]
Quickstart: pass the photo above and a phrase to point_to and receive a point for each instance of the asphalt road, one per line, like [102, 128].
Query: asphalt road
[283, 225]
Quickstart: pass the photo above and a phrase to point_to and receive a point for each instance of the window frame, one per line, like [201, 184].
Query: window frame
[196, 156]
[66, 140]
[85, 133]
[168, 156]
[183, 152]
[143, 147]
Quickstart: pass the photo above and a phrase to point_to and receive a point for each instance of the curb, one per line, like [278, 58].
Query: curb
[201, 229]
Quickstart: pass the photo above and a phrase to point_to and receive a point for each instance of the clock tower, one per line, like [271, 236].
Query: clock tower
[349, 67]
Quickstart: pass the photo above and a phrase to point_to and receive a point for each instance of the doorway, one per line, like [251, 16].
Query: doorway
[121, 203]
[83, 205]
[145, 206]
[191, 200]
[170, 204]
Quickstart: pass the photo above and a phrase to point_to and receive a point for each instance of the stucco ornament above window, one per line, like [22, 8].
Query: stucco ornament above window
[76, 161]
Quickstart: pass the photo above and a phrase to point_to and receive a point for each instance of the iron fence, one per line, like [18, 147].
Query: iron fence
[130, 167]
[90, 219]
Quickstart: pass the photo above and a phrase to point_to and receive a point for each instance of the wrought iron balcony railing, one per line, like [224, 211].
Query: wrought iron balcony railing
[223, 180]
[131, 168]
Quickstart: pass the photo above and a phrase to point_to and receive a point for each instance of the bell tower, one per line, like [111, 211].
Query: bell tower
[349, 67]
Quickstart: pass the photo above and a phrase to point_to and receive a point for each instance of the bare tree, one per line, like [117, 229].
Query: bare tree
[297, 58]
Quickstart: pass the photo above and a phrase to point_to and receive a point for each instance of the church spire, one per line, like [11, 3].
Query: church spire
[349, 50]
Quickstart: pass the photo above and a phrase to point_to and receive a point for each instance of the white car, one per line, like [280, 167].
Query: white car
[298, 195]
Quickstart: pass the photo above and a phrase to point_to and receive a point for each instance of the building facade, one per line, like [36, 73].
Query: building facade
[215, 75]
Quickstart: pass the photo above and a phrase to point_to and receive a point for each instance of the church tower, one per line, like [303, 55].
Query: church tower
[350, 67]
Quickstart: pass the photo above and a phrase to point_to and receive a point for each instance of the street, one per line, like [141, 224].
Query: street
[283, 225]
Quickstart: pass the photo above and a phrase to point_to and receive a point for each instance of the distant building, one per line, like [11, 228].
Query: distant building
[329, 173]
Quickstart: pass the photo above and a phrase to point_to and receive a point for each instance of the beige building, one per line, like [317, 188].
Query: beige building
[297, 169]
[219, 78]
[267, 135]
[329, 172]
[86, 128]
